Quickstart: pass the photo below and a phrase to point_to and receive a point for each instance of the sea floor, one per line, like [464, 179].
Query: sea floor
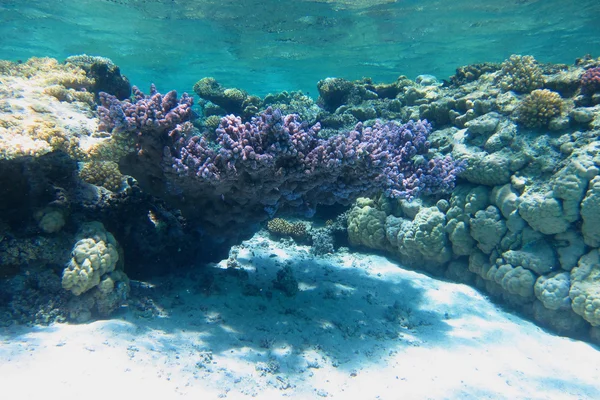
[361, 327]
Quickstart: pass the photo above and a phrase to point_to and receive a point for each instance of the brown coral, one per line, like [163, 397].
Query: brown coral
[520, 74]
[102, 173]
[538, 108]
[281, 227]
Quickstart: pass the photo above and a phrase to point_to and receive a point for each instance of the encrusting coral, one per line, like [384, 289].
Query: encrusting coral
[47, 106]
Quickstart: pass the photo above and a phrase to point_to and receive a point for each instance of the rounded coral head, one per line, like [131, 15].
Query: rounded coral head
[590, 81]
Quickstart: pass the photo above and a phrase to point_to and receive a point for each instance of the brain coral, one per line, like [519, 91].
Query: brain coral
[94, 255]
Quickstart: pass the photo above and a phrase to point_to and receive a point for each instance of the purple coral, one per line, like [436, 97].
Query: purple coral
[155, 112]
[276, 160]
[248, 170]
[590, 80]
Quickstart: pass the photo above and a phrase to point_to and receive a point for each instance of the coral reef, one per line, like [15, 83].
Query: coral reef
[47, 106]
[522, 222]
[231, 100]
[334, 92]
[104, 73]
[470, 73]
[44, 107]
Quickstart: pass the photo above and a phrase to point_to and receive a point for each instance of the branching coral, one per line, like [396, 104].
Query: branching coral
[520, 74]
[538, 108]
[247, 171]
[281, 227]
[102, 173]
[388, 157]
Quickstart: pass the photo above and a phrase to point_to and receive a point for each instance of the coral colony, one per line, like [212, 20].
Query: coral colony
[279, 161]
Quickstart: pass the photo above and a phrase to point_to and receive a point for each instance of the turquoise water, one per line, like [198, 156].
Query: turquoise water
[269, 45]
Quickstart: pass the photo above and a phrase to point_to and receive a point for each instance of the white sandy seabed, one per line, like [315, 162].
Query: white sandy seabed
[361, 327]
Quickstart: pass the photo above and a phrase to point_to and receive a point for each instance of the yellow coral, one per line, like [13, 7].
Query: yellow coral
[51, 72]
[69, 95]
[45, 106]
[366, 224]
[520, 74]
[212, 122]
[102, 173]
[538, 108]
[94, 255]
[281, 227]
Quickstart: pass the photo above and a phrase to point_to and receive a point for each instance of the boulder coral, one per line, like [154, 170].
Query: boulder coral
[590, 213]
[553, 290]
[94, 255]
[585, 291]
[366, 225]
[422, 239]
[487, 228]
[550, 207]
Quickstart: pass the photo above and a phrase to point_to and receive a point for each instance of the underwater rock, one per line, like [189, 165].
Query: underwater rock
[286, 282]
